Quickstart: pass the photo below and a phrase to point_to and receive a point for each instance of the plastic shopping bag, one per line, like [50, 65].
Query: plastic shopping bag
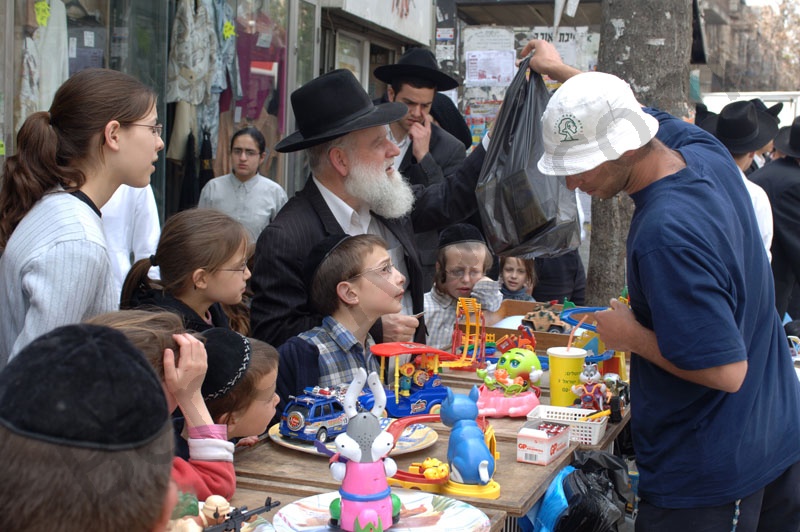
[524, 212]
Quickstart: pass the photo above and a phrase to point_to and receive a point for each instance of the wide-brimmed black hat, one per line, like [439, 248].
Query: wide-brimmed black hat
[788, 139]
[701, 113]
[773, 110]
[741, 128]
[417, 63]
[333, 105]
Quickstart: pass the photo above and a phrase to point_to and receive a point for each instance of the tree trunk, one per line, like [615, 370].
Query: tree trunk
[647, 44]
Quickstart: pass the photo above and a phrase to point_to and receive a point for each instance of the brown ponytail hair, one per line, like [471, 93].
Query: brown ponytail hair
[190, 240]
[52, 145]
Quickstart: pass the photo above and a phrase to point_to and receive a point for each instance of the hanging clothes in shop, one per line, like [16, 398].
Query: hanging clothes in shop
[28, 94]
[51, 42]
[190, 188]
[192, 51]
[206, 170]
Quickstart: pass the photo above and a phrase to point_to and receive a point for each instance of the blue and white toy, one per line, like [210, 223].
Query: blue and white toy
[471, 461]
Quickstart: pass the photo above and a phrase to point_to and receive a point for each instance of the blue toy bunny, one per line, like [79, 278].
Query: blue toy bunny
[469, 457]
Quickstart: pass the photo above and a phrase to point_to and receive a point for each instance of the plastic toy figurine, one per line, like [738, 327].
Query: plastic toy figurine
[469, 457]
[217, 515]
[591, 392]
[509, 390]
[406, 373]
[367, 502]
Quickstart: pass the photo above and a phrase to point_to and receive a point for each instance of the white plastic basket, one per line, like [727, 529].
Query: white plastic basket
[584, 432]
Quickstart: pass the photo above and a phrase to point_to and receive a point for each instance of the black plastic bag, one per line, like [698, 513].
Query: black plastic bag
[524, 212]
[597, 492]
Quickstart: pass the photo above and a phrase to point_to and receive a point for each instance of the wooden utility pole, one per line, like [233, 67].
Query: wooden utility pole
[647, 44]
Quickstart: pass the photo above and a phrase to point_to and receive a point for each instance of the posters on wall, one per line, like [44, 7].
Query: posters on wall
[490, 53]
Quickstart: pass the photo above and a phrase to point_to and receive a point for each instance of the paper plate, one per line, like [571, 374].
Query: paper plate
[415, 437]
[421, 511]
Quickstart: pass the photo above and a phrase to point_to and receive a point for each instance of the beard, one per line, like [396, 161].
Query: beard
[388, 196]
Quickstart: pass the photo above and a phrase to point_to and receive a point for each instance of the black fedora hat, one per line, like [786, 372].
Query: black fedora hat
[741, 128]
[701, 113]
[773, 110]
[788, 139]
[417, 63]
[331, 106]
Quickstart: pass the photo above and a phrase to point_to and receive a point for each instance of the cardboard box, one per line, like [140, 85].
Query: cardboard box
[540, 441]
[544, 340]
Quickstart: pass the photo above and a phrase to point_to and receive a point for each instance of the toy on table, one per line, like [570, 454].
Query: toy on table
[217, 515]
[425, 390]
[508, 388]
[469, 345]
[469, 457]
[367, 501]
[592, 391]
[545, 318]
[317, 414]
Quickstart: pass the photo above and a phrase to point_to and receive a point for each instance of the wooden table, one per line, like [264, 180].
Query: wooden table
[288, 475]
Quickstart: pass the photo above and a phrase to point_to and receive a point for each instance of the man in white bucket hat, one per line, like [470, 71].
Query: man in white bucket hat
[715, 400]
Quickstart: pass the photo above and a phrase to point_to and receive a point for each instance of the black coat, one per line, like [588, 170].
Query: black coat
[155, 299]
[280, 307]
[781, 180]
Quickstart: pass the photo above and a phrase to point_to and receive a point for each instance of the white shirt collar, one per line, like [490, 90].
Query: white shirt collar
[351, 221]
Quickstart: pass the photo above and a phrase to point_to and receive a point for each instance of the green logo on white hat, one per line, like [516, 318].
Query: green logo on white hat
[568, 127]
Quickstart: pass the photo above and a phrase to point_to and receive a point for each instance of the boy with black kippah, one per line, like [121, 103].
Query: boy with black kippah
[84, 436]
[352, 282]
[461, 266]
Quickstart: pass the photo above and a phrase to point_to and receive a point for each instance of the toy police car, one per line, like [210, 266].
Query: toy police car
[317, 414]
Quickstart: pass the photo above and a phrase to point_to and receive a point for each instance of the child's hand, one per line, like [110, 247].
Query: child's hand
[184, 378]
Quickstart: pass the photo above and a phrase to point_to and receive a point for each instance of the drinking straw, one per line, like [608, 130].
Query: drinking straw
[572, 334]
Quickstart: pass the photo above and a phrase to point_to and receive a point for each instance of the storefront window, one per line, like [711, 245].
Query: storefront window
[53, 39]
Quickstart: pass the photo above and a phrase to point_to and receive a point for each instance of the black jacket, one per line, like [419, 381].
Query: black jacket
[156, 299]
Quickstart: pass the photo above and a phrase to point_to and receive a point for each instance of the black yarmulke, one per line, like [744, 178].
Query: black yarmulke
[319, 252]
[458, 233]
[228, 355]
[83, 386]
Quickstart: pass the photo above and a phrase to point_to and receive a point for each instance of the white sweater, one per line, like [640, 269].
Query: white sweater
[54, 271]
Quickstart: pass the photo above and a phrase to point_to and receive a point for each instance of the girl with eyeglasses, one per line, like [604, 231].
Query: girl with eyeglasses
[464, 258]
[101, 132]
[202, 256]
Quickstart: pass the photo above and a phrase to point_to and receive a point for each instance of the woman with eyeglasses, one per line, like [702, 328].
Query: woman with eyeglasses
[202, 256]
[244, 194]
[101, 132]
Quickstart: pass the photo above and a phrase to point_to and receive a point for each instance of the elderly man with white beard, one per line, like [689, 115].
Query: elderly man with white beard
[353, 189]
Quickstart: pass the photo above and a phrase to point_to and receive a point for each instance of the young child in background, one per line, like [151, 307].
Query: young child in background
[518, 277]
[224, 387]
[461, 269]
[202, 255]
[352, 282]
[85, 436]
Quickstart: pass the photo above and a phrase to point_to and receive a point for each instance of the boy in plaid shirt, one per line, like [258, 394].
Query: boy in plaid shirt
[352, 282]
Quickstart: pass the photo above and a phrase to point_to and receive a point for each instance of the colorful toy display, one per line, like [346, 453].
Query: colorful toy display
[545, 318]
[318, 414]
[366, 501]
[508, 388]
[416, 388]
[592, 391]
[469, 457]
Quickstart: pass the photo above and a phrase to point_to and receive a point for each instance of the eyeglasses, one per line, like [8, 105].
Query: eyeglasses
[385, 270]
[460, 272]
[156, 129]
[237, 152]
[240, 270]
